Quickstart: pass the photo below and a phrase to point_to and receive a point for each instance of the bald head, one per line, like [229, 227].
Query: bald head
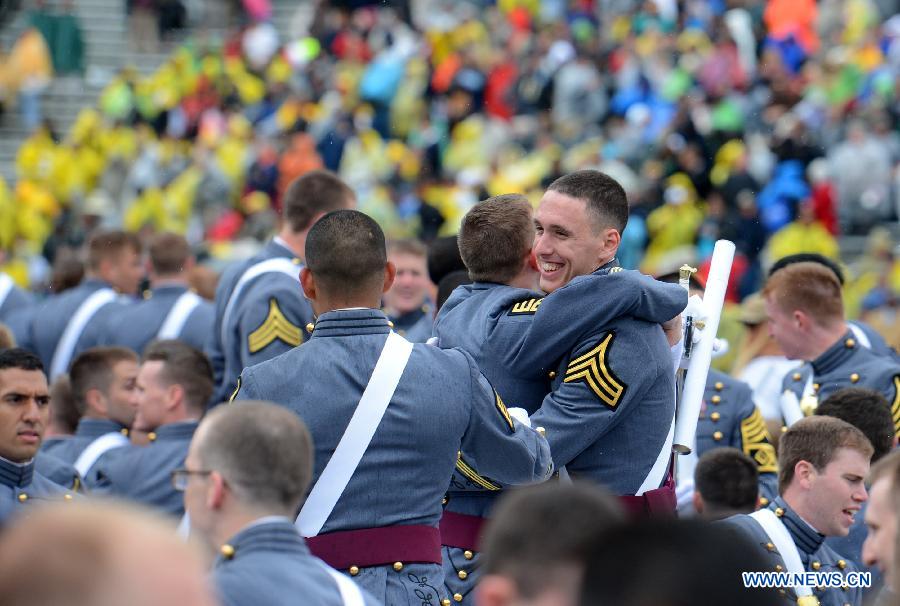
[98, 554]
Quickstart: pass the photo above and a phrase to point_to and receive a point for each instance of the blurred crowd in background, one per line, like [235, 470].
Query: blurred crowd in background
[773, 124]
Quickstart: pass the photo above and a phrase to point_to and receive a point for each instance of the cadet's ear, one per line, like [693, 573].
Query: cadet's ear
[175, 395]
[495, 590]
[804, 471]
[95, 401]
[390, 272]
[308, 283]
[698, 502]
[215, 494]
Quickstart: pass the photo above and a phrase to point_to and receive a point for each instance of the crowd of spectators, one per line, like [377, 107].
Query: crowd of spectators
[771, 124]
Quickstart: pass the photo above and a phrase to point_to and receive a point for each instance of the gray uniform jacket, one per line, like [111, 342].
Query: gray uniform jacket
[136, 326]
[815, 554]
[143, 473]
[268, 318]
[53, 315]
[729, 418]
[57, 471]
[443, 414]
[515, 336]
[68, 449]
[21, 487]
[415, 326]
[847, 364]
[269, 564]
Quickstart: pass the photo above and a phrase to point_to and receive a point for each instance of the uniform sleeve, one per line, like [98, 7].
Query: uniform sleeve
[754, 441]
[272, 321]
[604, 379]
[892, 393]
[586, 304]
[246, 387]
[496, 450]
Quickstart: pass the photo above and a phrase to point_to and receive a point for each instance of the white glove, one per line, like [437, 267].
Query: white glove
[432, 341]
[520, 415]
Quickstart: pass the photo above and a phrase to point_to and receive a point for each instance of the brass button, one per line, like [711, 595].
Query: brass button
[717, 436]
[151, 436]
[719, 386]
[849, 343]
[784, 429]
[541, 431]
[22, 497]
[468, 554]
[770, 546]
[854, 378]
[816, 387]
[462, 574]
[124, 431]
[354, 570]
[841, 564]
[390, 324]
[763, 501]
[715, 416]
[797, 376]
[398, 566]
[457, 597]
[779, 511]
[446, 602]
[778, 568]
[551, 374]
[716, 399]
[816, 565]
[227, 551]
[296, 261]
[310, 327]
[68, 497]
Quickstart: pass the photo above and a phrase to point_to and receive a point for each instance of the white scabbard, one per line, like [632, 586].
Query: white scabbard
[695, 381]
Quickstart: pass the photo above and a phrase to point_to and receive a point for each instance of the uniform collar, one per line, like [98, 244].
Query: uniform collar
[835, 356]
[183, 430]
[168, 288]
[94, 284]
[805, 537]
[274, 534]
[277, 247]
[343, 322]
[16, 474]
[408, 319]
[606, 267]
[94, 428]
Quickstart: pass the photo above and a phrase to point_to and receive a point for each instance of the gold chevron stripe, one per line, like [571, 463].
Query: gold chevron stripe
[470, 473]
[593, 370]
[275, 326]
[757, 443]
[503, 412]
[895, 405]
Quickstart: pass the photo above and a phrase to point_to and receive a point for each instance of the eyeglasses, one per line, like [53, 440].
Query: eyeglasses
[180, 477]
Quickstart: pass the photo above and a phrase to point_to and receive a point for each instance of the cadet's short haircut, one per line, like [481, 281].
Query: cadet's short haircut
[444, 258]
[264, 452]
[345, 252]
[604, 197]
[63, 410]
[816, 440]
[868, 411]
[673, 562]
[109, 245]
[449, 283]
[809, 258]
[495, 236]
[318, 191]
[728, 481]
[22, 359]
[808, 287]
[536, 533]
[185, 366]
[7, 339]
[68, 271]
[93, 369]
[169, 253]
[407, 247]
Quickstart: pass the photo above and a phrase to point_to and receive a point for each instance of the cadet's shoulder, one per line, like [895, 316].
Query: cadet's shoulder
[42, 486]
[745, 523]
[237, 583]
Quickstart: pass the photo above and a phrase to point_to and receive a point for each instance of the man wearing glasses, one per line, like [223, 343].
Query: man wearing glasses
[244, 479]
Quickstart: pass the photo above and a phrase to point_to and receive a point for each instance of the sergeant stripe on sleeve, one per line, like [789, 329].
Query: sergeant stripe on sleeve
[895, 405]
[275, 326]
[503, 412]
[592, 368]
[473, 476]
[757, 443]
[526, 307]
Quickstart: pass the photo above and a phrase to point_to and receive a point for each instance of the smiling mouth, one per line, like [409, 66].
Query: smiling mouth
[851, 513]
[548, 267]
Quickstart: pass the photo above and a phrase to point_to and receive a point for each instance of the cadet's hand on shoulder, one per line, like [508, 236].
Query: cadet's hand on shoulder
[673, 330]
